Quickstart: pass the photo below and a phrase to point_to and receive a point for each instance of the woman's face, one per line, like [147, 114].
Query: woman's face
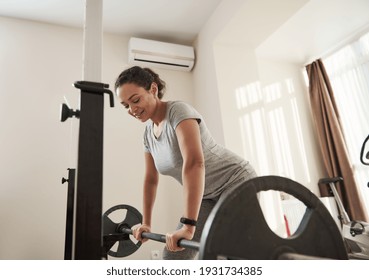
[139, 102]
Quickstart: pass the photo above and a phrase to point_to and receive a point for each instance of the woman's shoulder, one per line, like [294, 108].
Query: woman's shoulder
[178, 103]
[179, 111]
[179, 106]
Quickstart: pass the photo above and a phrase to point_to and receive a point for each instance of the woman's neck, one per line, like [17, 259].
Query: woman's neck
[160, 112]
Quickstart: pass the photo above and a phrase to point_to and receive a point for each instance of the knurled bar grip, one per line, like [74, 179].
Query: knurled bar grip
[184, 243]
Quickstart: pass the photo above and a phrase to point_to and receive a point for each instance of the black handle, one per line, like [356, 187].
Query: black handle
[362, 152]
[95, 88]
[330, 180]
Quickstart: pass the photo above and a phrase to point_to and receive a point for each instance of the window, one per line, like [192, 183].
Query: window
[348, 71]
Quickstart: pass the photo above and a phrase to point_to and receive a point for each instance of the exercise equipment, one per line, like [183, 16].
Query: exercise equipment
[113, 232]
[355, 233]
[68, 246]
[236, 228]
[121, 232]
[86, 241]
[66, 113]
[239, 218]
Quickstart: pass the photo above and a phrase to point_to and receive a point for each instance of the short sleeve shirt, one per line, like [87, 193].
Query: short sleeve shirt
[223, 168]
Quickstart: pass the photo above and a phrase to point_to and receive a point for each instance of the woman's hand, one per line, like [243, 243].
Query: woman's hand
[139, 230]
[186, 232]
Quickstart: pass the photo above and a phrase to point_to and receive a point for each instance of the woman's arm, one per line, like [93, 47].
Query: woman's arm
[193, 176]
[150, 186]
[151, 179]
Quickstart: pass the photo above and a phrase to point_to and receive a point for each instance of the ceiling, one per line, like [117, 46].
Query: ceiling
[179, 21]
[335, 23]
[176, 21]
[296, 31]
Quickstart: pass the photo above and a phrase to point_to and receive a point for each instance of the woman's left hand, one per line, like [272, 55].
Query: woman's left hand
[186, 232]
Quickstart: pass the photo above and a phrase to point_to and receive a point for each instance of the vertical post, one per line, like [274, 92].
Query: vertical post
[68, 247]
[92, 37]
[88, 225]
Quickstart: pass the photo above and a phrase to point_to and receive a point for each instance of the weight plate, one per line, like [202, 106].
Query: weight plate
[126, 246]
[237, 229]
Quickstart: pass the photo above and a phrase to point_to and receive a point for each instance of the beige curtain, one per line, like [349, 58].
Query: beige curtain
[331, 140]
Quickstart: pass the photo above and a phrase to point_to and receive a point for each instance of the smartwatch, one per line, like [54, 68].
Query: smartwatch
[188, 221]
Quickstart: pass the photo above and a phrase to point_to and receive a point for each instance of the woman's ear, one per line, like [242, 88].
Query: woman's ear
[154, 88]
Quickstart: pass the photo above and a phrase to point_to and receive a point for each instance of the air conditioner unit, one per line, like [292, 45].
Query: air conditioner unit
[149, 53]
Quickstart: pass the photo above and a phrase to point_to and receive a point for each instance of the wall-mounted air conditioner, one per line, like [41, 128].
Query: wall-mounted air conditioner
[149, 53]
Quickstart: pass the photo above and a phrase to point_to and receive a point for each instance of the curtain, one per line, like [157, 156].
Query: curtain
[330, 136]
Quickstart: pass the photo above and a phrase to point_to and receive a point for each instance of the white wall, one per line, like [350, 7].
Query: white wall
[38, 64]
[266, 101]
[297, 156]
[204, 74]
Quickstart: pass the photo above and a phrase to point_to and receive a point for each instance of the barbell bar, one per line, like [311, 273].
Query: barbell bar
[184, 243]
[188, 244]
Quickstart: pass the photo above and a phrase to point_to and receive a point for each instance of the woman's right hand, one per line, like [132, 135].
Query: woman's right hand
[139, 230]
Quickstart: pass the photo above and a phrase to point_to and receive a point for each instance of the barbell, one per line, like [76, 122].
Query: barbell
[236, 227]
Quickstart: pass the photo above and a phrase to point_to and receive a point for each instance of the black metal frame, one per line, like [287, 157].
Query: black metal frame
[68, 246]
[87, 238]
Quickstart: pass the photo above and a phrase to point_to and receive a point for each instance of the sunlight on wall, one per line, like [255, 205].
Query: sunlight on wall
[271, 128]
[301, 145]
[253, 138]
[272, 139]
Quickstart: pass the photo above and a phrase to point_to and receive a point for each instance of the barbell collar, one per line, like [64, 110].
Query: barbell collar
[184, 243]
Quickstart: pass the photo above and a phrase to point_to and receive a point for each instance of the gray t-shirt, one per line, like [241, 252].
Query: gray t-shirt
[223, 168]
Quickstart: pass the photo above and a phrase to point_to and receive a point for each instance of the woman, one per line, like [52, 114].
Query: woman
[177, 143]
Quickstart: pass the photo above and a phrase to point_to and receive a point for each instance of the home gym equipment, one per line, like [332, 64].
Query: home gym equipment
[239, 217]
[66, 113]
[87, 239]
[113, 232]
[69, 215]
[236, 228]
[355, 233]
[119, 232]
[84, 240]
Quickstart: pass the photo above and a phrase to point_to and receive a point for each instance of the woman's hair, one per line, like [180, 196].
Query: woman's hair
[142, 77]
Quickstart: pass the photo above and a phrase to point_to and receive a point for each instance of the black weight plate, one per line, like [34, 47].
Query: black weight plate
[236, 228]
[133, 217]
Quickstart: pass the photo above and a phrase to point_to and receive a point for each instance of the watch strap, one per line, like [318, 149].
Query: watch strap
[188, 221]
